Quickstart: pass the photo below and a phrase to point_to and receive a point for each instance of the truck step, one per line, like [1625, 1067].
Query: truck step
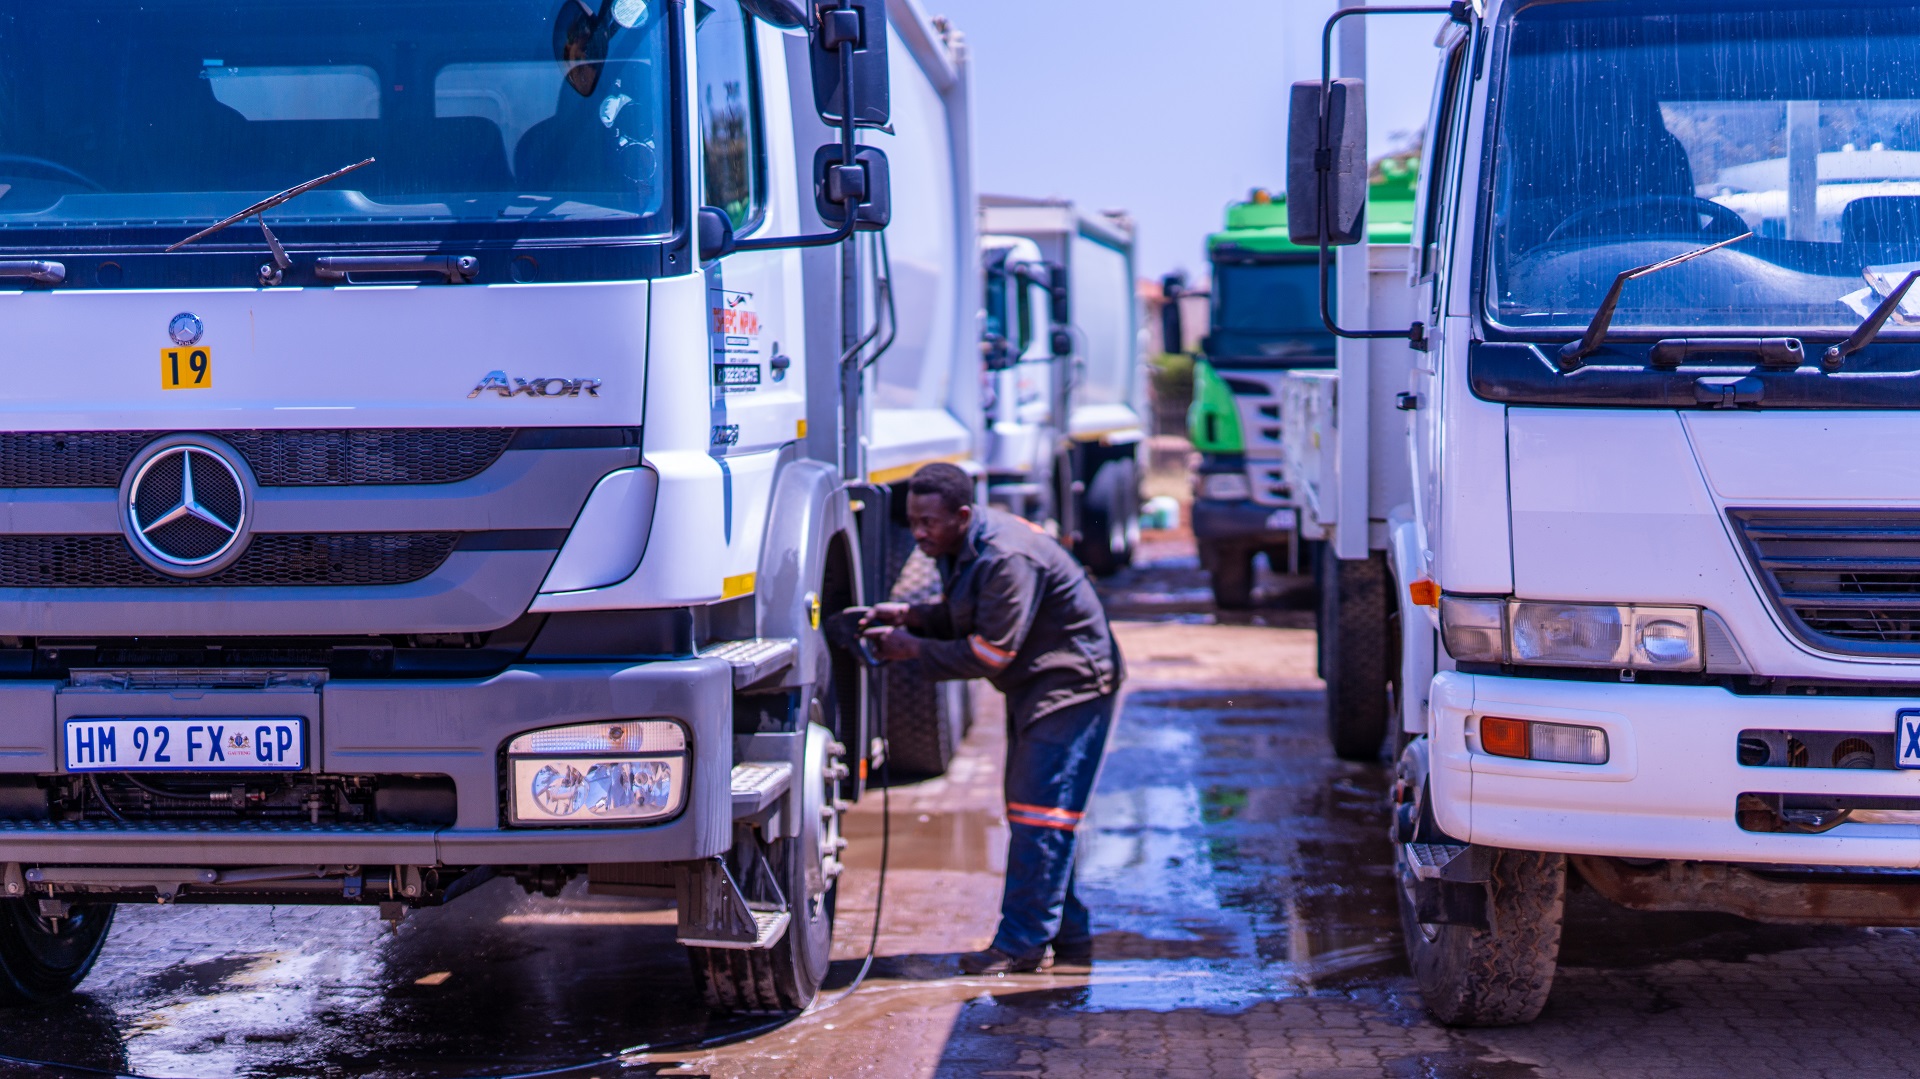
[1428, 859]
[756, 659]
[770, 924]
[757, 786]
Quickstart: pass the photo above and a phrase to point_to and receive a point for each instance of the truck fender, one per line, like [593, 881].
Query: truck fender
[809, 513]
[1418, 625]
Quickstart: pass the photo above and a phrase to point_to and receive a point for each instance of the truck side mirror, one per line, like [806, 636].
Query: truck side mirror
[1173, 330]
[863, 185]
[1340, 164]
[716, 234]
[783, 14]
[993, 335]
[1059, 311]
[864, 23]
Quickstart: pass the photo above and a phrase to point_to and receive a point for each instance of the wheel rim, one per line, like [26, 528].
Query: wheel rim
[820, 840]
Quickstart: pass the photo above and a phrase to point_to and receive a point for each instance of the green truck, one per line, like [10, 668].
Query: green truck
[1265, 321]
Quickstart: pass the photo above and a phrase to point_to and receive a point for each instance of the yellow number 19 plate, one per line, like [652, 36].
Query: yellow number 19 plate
[186, 368]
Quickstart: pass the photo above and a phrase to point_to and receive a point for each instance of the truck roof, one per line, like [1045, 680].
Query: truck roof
[1026, 216]
[1259, 225]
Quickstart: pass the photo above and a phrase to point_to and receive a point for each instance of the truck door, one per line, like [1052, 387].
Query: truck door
[753, 297]
[1440, 183]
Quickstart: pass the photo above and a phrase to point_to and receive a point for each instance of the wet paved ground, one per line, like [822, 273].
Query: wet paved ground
[1244, 915]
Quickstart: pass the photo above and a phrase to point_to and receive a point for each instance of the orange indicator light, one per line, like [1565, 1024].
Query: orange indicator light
[1503, 737]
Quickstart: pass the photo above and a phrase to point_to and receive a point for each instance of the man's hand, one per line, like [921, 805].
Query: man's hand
[887, 614]
[893, 643]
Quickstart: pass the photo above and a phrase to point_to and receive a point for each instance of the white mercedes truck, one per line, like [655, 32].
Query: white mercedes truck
[1618, 472]
[480, 512]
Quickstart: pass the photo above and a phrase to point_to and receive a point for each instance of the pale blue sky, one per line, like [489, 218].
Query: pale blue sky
[1167, 110]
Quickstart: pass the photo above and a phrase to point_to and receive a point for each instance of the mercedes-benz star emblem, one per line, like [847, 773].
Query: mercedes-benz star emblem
[186, 328]
[185, 504]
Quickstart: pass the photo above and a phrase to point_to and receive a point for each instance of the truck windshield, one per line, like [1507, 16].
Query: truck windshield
[1632, 131]
[131, 122]
[1268, 312]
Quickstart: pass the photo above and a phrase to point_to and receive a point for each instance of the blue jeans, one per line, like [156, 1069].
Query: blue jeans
[1051, 766]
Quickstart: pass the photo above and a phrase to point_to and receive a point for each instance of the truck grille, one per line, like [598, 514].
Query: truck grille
[1845, 580]
[276, 559]
[278, 458]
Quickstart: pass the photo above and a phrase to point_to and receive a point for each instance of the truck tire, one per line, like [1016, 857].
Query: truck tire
[1501, 975]
[787, 976]
[925, 720]
[1110, 518]
[1230, 572]
[42, 961]
[1354, 652]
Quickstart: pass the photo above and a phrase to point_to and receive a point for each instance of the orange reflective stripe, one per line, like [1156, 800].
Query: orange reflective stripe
[1043, 811]
[1041, 822]
[988, 654]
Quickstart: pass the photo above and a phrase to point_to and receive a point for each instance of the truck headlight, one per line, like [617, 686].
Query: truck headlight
[1615, 636]
[1225, 486]
[595, 773]
[1474, 628]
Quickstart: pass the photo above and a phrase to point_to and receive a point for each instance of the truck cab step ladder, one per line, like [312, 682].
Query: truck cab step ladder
[1428, 859]
[759, 785]
[769, 923]
[714, 913]
[756, 659]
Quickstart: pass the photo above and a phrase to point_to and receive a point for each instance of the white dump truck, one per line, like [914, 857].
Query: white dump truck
[480, 514]
[1055, 384]
[1065, 380]
[1622, 491]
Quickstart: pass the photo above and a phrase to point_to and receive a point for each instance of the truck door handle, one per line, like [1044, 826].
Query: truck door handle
[457, 269]
[1406, 402]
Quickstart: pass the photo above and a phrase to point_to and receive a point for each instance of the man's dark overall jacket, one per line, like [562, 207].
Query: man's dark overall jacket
[1021, 613]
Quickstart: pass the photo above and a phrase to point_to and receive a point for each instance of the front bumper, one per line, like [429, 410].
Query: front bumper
[455, 728]
[1217, 520]
[1670, 785]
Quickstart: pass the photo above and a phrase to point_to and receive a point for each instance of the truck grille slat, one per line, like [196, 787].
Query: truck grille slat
[1844, 580]
[315, 458]
[270, 559]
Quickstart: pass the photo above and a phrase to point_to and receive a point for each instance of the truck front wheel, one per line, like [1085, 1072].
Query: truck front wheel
[42, 959]
[1499, 974]
[925, 720]
[1355, 652]
[1110, 518]
[1230, 572]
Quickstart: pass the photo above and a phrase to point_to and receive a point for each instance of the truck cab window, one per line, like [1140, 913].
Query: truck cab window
[730, 141]
[1442, 134]
[1631, 132]
[474, 122]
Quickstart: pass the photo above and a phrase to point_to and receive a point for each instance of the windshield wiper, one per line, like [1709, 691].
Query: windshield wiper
[281, 263]
[1870, 329]
[1573, 352]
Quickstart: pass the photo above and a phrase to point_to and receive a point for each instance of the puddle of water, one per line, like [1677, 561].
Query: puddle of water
[972, 841]
[1229, 859]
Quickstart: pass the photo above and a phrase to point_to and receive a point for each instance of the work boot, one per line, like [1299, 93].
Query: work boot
[1073, 953]
[995, 961]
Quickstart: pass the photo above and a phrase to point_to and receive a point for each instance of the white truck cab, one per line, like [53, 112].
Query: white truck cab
[1628, 525]
[471, 507]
